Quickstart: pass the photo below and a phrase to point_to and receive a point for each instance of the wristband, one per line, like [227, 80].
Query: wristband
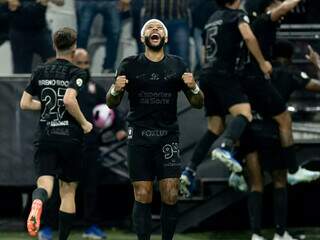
[113, 92]
[196, 90]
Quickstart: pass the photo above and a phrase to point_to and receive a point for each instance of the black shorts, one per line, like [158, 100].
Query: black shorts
[263, 136]
[62, 160]
[147, 162]
[263, 96]
[221, 91]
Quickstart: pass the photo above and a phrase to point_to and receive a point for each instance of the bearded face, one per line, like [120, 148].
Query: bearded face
[155, 42]
[154, 36]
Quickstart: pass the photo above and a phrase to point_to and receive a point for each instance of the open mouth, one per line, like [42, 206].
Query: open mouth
[155, 37]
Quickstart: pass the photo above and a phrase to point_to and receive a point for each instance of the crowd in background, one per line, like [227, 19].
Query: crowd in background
[23, 23]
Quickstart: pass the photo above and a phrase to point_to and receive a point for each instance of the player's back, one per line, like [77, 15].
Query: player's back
[49, 83]
[223, 39]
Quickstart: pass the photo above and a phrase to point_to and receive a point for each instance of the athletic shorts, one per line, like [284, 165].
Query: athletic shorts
[62, 160]
[263, 96]
[150, 161]
[221, 91]
[263, 136]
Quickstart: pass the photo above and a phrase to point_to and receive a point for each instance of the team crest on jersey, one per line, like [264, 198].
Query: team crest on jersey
[79, 82]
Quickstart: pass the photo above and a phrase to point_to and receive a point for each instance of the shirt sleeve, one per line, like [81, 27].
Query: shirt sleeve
[77, 79]
[32, 86]
[243, 17]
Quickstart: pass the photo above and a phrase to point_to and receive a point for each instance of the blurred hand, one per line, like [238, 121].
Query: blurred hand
[189, 80]
[124, 5]
[13, 5]
[120, 83]
[43, 2]
[266, 68]
[57, 2]
[121, 135]
[86, 127]
[313, 57]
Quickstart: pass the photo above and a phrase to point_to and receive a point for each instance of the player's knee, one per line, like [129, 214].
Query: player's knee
[279, 178]
[284, 120]
[256, 188]
[67, 190]
[143, 194]
[170, 196]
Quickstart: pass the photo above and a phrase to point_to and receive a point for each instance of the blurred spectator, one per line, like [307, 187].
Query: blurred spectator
[201, 10]
[92, 96]
[29, 33]
[176, 16]
[86, 11]
[135, 9]
[4, 22]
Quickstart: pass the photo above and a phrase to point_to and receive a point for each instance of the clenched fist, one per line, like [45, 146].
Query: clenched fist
[189, 80]
[120, 84]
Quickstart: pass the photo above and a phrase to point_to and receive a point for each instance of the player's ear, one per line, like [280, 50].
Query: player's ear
[142, 39]
[166, 40]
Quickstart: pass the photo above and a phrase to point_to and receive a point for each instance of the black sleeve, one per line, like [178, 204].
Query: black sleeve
[123, 67]
[32, 86]
[77, 78]
[183, 67]
[119, 121]
[300, 79]
[242, 17]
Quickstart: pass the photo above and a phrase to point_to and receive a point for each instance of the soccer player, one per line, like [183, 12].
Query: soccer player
[263, 136]
[224, 33]
[153, 80]
[61, 129]
[263, 96]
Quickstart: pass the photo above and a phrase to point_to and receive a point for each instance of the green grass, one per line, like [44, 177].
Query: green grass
[311, 233]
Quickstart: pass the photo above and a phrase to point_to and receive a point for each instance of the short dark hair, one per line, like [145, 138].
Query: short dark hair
[257, 7]
[64, 38]
[283, 49]
[223, 3]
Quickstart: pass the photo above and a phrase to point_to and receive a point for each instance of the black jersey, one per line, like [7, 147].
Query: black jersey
[152, 90]
[223, 39]
[49, 83]
[287, 79]
[265, 31]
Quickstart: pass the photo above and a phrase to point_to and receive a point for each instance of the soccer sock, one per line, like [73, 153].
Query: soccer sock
[141, 216]
[202, 149]
[280, 206]
[169, 218]
[65, 224]
[232, 133]
[255, 209]
[41, 194]
[289, 156]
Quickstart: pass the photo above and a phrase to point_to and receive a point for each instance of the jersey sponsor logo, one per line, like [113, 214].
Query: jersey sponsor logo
[154, 133]
[58, 123]
[304, 75]
[157, 98]
[79, 82]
